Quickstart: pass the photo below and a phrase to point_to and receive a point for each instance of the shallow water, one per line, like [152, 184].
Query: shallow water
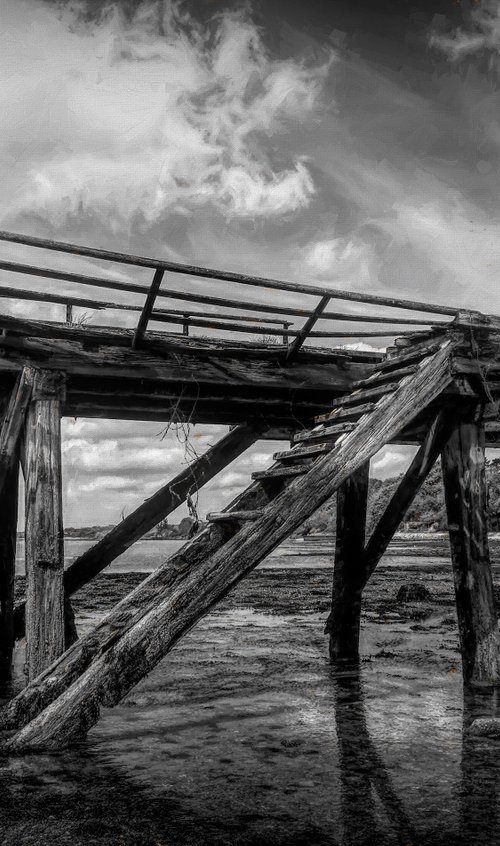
[245, 734]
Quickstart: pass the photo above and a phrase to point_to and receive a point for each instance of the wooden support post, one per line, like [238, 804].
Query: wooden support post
[44, 529]
[146, 516]
[463, 463]
[8, 541]
[343, 624]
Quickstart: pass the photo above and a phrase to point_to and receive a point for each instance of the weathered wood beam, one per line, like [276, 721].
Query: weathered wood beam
[343, 624]
[199, 298]
[303, 333]
[150, 512]
[44, 528]
[142, 323]
[463, 464]
[13, 423]
[196, 578]
[8, 542]
[50, 684]
[420, 467]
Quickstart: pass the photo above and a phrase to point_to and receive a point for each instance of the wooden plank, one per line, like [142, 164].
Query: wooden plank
[228, 276]
[195, 580]
[324, 433]
[233, 516]
[8, 542]
[298, 453]
[416, 354]
[13, 423]
[286, 471]
[420, 467]
[345, 413]
[463, 463]
[150, 512]
[343, 624]
[362, 396]
[143, 321]
[302, 334]
[44, 539]
[378, 378]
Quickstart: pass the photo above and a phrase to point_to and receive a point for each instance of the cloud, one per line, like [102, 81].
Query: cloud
[351, 261]
[482, 36]
[124, 120]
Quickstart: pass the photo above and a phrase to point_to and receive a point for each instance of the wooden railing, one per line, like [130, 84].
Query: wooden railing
[276, 324]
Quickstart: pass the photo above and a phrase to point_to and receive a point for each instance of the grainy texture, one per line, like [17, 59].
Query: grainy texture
[349, 568]
[44, 527]
[203, 582]
[463, 463]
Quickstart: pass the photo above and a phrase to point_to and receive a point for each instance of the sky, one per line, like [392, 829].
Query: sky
[354, 144]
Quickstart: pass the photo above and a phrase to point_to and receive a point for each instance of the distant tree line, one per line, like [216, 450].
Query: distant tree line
[427, 514]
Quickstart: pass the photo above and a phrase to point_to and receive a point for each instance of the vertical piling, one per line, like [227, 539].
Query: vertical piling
[44, 526]
[343, 624]
[463, 464]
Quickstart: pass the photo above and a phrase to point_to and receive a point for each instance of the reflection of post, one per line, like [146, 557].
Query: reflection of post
[362, 769]
[479, 793]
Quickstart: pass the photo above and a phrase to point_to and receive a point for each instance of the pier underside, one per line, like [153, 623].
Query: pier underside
[437, 388]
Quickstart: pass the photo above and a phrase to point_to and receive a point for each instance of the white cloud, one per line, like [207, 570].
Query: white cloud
[391, 461]
[115, 120]
[351, 261]
[483, 35]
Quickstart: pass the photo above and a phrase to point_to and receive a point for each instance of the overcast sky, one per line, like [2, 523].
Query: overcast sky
[350, 143]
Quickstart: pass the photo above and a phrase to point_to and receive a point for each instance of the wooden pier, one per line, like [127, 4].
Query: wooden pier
[436, 385]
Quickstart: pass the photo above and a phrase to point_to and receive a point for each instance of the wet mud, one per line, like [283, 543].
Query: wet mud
[245, 734]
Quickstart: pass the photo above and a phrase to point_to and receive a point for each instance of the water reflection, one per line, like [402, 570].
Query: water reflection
[480, 772]
[362, 772]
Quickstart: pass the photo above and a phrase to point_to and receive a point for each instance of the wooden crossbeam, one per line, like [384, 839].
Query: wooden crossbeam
[94, 560]
[143, 321]
[195, 579]
[420, 467]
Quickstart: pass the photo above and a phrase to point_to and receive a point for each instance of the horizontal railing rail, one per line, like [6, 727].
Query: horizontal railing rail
[275, 325]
